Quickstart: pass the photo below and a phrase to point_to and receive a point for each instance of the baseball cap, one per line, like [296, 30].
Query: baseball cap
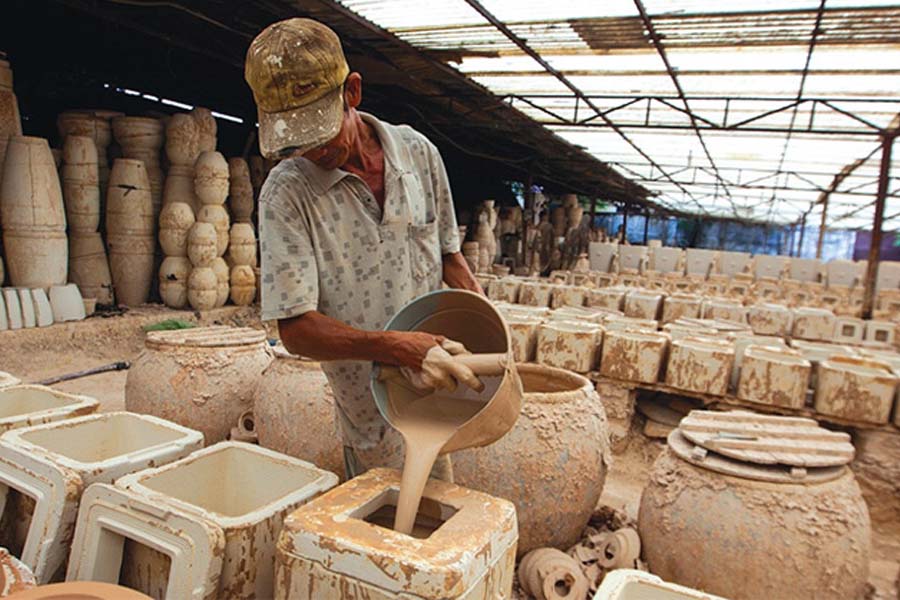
[296, 69]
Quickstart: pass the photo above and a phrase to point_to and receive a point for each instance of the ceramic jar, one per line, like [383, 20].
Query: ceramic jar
[743, 538]
[32, 215]
[553, 462]
[130, 226]
[89, 267]
[295, 390]
[202, 378]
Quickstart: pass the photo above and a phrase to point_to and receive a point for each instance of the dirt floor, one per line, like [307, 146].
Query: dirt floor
[36, 354]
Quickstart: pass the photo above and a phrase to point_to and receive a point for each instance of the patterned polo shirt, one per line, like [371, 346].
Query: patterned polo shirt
[326, 245]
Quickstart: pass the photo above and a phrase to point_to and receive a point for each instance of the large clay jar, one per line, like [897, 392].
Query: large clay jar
[762, 532]
[201, 378]
[220, 268]
[295, 390]
[211, 178]
[33, 216]
[141, 138]
[173, 281]
[203, 288]
[206, 128]
[80, 184]
[95, 125]
[202, 244]
[243, 285]
[175, 221]
[89, 267]
[182, 140]
[130, 231]
[217, 216]
[552, 465]
[242, 245]
[240, 190]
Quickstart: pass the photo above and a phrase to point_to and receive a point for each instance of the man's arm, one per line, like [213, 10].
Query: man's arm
[456, 273]
[320, 337]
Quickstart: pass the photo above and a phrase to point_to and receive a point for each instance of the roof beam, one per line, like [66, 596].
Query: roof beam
[660, 49]
[500, 26]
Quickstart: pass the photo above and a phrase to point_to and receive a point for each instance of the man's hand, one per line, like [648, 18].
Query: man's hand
[457, 275]
[409, 348]
[441, 370]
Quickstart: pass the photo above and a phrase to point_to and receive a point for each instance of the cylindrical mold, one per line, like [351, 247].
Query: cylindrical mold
[175, 221]
[203, 288]
[555, 480]
[173, 281]
[243, 285]
[33, 216]
[202, 378]
[89, 267]
[294, 390]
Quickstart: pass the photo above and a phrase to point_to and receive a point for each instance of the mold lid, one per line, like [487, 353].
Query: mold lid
[207, 337]
[762, 447]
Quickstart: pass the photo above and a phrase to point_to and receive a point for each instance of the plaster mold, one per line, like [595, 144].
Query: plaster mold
[634, 356]
[569, 345]
[776, 376]
[702, 366]
[53, 464]
[338, 546]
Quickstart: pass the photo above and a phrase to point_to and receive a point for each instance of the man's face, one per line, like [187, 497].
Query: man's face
[333, 154]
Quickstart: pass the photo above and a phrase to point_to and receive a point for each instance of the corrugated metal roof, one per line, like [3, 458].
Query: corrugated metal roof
[740, 66]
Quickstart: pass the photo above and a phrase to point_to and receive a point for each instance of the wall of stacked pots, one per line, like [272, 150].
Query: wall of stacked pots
[130, 209]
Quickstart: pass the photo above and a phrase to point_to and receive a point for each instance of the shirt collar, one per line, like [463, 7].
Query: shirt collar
[323, 179]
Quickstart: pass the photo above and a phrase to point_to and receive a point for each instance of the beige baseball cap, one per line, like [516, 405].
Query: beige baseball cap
[296, 69]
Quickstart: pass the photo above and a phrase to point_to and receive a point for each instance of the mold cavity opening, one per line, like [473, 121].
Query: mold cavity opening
[16, 519]
[563, 587]
[881, 335]
[144, 569]
[124, 561]
[380, 512]
[848, 330]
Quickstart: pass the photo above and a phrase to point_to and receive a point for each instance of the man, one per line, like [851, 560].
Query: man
[355, 222]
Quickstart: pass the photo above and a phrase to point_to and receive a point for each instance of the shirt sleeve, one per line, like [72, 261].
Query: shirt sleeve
[289, 275]
[445, 214]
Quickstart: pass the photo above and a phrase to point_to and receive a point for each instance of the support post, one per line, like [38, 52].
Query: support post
[646, 226]
[887, 142]
[802, 233]
[822, 226]
[624, 224]
[593, 214]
